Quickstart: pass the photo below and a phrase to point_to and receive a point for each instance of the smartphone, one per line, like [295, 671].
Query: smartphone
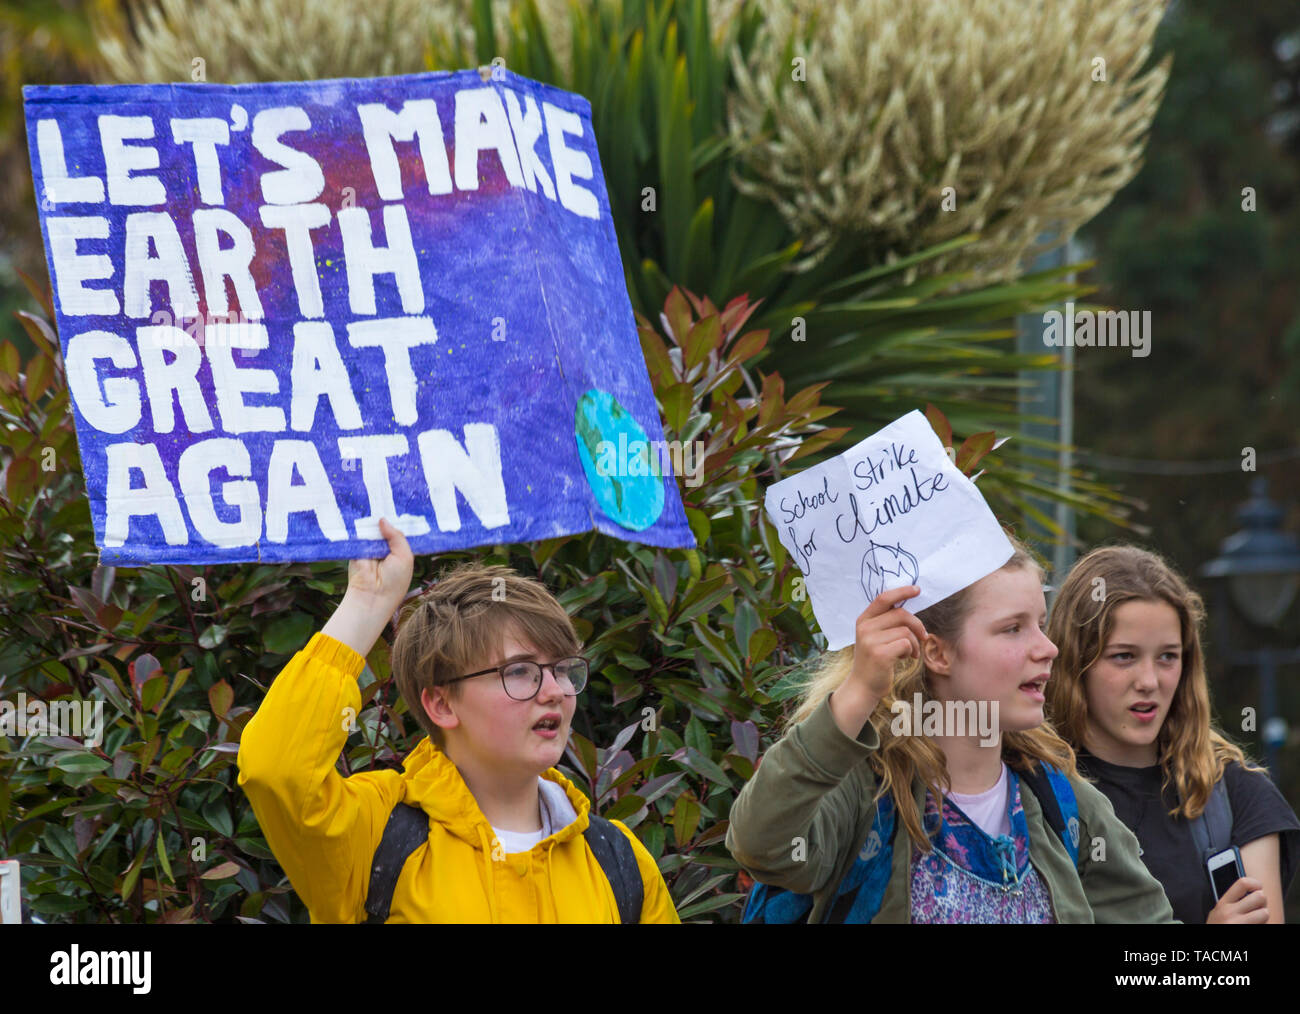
[1225, 870]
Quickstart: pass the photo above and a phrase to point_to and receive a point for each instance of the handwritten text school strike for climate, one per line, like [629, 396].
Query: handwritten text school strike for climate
[486, 120]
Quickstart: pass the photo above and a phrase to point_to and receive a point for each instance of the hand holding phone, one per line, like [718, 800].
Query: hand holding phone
[1239, 898]
[1225, 870]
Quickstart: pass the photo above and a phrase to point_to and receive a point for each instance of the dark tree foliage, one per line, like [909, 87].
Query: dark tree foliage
[1220, 282]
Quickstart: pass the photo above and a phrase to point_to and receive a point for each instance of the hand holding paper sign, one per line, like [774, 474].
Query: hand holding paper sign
[890, 512]
[375, 590]
[884, 635]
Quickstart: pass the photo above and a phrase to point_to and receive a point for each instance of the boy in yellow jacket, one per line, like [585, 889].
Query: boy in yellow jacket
[487, 663]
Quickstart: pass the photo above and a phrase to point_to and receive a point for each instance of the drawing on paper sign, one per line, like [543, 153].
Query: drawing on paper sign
[883, 562]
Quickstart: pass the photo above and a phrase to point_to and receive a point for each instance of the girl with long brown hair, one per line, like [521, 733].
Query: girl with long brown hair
[1129, 693]
[969, 845]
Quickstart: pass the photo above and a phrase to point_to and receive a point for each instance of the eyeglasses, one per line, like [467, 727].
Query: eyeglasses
[523, 679]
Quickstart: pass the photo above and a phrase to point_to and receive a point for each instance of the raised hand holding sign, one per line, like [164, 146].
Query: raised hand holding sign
[891, 511]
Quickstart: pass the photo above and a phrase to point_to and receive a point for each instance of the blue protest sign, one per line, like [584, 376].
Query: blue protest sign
[287, 310]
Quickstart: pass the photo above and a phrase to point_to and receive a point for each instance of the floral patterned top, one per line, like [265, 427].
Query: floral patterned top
[971, 877]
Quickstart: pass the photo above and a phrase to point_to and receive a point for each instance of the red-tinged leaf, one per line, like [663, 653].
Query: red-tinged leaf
[260, 592]
[702, 305]
[665, 577]
[86, 601]
[44, 295]
[142, 669]
[745, 736]
[220, 697]
[656, 355]
[678, 403]
[621, 740]
[736, 313]
[628, 691]
[226, 869]
[151, 694]
[761, 644]
[686, 818]
[108, 617]
[21, 479]
[806, 400]
[773, 398]
[9, 361]
[380, 661]
[148, 753]
[716, 833]
[582, 752]
[38, 328]
[819, 442]
[747, 347]
[704, 337]
[820, 412]
[40, 371]
[624, 807]
[715, 465]
[973, 449]
[661, 784]
[133, 872]
[112, 691]
[94, 649]
[727, 412]
[940, 424]
[676, 317]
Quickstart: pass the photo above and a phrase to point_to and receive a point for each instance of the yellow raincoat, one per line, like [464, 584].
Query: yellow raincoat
[324, 828]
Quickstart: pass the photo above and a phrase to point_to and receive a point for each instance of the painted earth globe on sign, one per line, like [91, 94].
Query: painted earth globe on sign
[616, 455]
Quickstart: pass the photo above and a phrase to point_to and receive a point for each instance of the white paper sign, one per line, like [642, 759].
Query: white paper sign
[891, 511]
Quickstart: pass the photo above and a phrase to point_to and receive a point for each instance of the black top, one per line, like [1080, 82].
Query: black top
[1168, 849]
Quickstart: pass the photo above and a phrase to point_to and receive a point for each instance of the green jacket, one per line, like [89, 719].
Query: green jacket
[816, 785]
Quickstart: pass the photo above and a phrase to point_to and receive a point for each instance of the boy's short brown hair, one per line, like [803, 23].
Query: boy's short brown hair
[462, 622]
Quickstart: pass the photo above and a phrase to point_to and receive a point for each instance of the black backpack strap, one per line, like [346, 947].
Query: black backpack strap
[407, 829]
[1212, 830]
[614, 853]
[1038, 783]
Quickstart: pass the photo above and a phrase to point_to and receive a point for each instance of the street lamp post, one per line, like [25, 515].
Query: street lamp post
[1261, 565]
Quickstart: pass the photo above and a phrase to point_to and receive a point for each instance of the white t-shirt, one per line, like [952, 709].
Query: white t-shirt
[556, 812]
[987, 809]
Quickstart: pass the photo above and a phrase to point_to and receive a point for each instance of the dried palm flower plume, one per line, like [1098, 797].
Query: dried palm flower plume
[282, 40]
[1035, 114]
[278, 40]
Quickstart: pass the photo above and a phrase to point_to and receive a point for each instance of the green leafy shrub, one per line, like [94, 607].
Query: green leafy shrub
[149, 826]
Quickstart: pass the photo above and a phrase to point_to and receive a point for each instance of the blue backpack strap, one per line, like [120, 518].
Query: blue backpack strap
[768, 904]
[1212, 830]
[614, 853]
[861, 892]
[1055, 795]
[407, 829]
[857, 898]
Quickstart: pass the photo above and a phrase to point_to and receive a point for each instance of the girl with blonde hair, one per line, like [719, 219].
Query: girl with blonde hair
[1129, 692]
[821, 816]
